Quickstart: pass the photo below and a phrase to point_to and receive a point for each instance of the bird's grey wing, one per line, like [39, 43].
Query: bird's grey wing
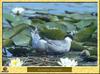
[56, 48]
[56, 42]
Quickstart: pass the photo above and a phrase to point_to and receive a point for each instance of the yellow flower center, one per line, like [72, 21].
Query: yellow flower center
[14, 62]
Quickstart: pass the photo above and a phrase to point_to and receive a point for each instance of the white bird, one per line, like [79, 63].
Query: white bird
[59, 46]
[37, 42]
[51, 46]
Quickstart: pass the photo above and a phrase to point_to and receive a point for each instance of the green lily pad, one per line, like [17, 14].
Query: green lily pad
[7, 43]
[67, 19]
[20, 20]
[69, 26]
[52, 34]
[53, 18]
[86, 33]
[81, 16]
[93, 50]
[9, 17]
[7, 33]
[22, 39]
[77, 46]
[18, 29]
[56, 25]
[37, 21]
[16, 20]
[82, 24]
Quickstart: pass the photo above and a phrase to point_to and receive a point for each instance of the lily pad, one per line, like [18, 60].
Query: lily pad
[53, 18]
[67, 19]
[21, 20]
[7, 33]
[52, 34]
[9, 17]
[69, 26]
[86, 33]
[56, 25]
[21, 39]
[80, 16]
[7, 43]
[77, 46]
[82, 24]
[18, 29]
[37, 21]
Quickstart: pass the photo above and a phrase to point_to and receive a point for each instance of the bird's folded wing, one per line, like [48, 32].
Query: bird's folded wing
[56, 42]
[56, 48]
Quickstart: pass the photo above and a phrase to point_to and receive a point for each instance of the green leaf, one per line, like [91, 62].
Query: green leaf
[67, 19]
[22, 39]
[52, 34]
[7, 42]
[86, 33]
[18, 29]
[9, 17]
[37, 21]
[21, 20]
[76, 46]
[80, 16]
[53, 18]
[69, 26]
[56, 25]
[7, 33]
[16, 20]
[82, 24]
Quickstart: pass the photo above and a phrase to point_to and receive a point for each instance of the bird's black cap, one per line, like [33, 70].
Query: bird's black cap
[70, 36]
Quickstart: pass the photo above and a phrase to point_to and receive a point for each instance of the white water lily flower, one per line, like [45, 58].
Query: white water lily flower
[15, 62]
[66, 62]
[18, 10]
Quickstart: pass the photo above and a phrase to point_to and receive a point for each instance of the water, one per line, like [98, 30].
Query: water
[55, 8]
